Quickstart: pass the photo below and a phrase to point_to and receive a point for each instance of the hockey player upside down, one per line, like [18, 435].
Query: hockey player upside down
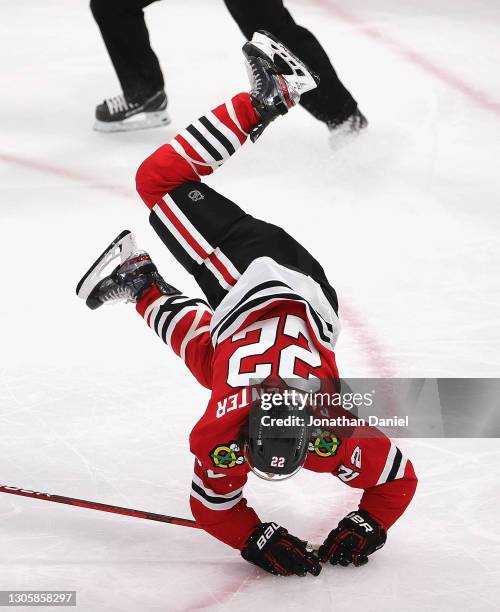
[271, 314]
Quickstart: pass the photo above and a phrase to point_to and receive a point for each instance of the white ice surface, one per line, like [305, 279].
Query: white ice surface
[405, 220]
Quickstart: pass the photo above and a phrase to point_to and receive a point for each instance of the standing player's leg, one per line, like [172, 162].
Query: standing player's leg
[126, 37]
[331, 102]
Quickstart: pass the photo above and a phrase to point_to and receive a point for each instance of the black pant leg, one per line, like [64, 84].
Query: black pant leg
[330, 101]
[216, 241]
[126, 38]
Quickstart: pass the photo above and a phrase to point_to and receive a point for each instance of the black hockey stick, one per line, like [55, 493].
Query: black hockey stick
[82, 503]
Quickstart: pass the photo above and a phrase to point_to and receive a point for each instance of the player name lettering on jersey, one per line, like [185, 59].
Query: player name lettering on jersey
[232, 402]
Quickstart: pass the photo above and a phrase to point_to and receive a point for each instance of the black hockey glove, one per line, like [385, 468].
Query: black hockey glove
[357, 536]
[273, 549]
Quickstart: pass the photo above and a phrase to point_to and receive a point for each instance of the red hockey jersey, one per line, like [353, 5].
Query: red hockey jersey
[278, 338]
[273, 322]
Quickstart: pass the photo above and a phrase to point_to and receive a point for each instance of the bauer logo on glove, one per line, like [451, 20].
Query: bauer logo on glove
[357, 536]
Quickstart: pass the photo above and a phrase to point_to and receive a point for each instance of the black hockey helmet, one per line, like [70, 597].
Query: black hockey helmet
[277, 440]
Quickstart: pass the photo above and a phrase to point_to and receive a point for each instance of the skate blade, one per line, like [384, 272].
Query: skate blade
[302, 77]
[141, 121]
[121, 248]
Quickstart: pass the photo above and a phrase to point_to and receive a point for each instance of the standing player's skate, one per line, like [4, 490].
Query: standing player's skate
[354, 123]
[127, 282]
[118, 114]
[341, 131]
[277, 78]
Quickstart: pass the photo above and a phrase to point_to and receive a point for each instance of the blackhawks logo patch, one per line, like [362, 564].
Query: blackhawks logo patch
[227, 455]
[324, 444]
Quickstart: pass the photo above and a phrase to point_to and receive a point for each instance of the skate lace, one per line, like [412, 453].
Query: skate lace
[256, 75]
[117, 104]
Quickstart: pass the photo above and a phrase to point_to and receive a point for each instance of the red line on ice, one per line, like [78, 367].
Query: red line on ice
[371, 345]
[412, 56]
[66, 173]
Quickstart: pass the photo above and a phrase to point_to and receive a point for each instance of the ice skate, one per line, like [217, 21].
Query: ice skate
[118, 114]
[350, 126]
[134, 274]
[277, 78]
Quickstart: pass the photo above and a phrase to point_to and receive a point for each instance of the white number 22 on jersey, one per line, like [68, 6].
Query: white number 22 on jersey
[294, 327]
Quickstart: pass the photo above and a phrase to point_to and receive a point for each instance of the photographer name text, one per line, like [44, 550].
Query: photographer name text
[341, 421]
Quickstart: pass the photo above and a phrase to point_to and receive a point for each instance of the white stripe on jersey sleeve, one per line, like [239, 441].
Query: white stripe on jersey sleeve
[393, 456]
[402, 468]
[222, 506]
[223, 501]
[197, 480]
[388, 464]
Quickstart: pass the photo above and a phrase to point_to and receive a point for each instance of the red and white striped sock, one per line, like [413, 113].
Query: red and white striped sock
[211, 140]
[175, 319]
[198, 150]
